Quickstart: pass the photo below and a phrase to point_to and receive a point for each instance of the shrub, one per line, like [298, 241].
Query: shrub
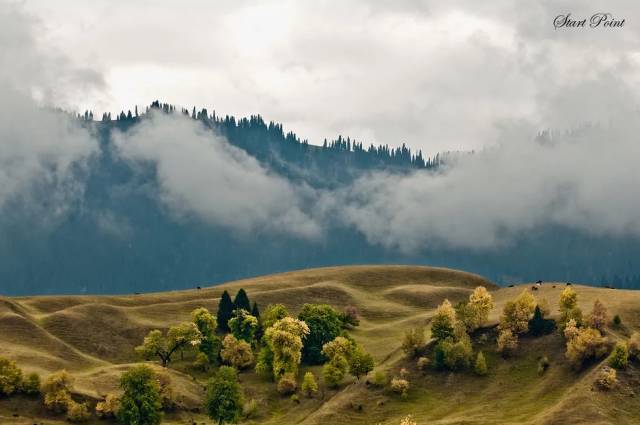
[507, 342]
[587, 344]
[325, 324]
[571, 330]
[408, 420]
[309, 384]
[350, 317]
[295, 398]
[619, 357]
[31, 384]
[236, 353]
[201, 362]
[108, 408]
[413, 342]
[165, 389]
[57, 391]
[77, 412]
[10, 377]
[224, 396]
[400, 386]
[443, 321]
[606, 378]
[380, 378]
[634, 346]
[287, 384]
[543, 365]
[423, 363]
[617, 320]
[250, 409]
[140, 402]
[480, 366]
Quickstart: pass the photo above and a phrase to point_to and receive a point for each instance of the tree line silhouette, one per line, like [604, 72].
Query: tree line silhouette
[267, 139]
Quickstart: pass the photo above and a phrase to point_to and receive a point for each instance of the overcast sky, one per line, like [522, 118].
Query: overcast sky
[438, 75]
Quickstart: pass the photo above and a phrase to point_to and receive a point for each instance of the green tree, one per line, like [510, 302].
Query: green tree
[272, 314]
[241, 301]
[325, 324]
[338, 352]
[516, 313]
[538, 325]
[360, 362]
[178, 337]
[264, 363]
[255, 311]
[309, 384]
[224, 399]
[619, 357]
[210, 344]
[243, 325]
[140, 402]
[225, 312]
[443, 321]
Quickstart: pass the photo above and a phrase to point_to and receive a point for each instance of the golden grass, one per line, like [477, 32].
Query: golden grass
[94, 336]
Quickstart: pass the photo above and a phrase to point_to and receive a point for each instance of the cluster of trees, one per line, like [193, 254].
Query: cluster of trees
[451, 328]
[274, 342]
[13, 380]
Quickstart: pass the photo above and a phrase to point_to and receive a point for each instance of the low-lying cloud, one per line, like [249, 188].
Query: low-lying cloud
[41, 149]
[201, 175]
[585, 181]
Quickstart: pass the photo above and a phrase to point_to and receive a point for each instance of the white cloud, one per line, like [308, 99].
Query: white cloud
[39, 147]
[436, 75]
[202, 175]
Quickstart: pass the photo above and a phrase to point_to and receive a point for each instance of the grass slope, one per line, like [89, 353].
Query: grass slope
[94, 336]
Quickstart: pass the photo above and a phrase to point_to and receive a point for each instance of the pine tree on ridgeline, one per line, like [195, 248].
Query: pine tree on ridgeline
[242, 301]
[225, 312]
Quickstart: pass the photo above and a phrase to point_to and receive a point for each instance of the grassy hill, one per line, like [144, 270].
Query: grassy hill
[93, 337]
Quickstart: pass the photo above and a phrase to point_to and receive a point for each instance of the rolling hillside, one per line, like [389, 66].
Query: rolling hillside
[94, 337]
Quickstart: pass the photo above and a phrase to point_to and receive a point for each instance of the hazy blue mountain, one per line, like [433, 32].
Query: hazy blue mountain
[88, 249]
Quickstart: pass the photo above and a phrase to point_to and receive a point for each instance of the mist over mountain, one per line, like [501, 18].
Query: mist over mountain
[170, 199]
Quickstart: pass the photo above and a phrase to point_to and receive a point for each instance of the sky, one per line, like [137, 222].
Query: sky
[460, 75]
[436, 75]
